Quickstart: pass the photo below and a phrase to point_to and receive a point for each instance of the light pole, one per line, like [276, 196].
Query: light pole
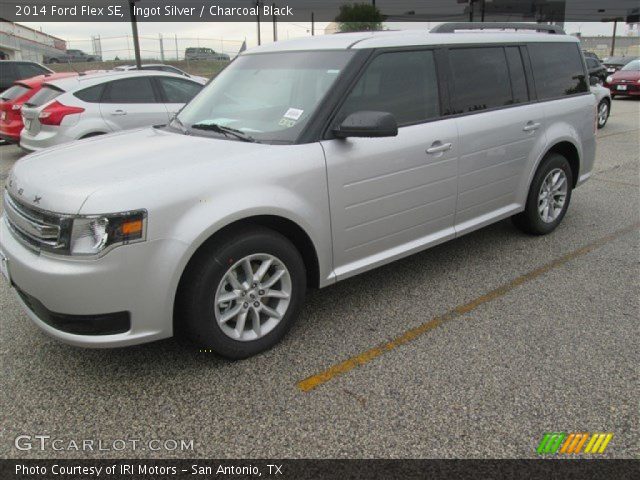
[134, 30]
[258, 20]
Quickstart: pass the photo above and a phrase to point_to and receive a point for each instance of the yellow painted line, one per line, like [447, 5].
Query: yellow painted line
[605, 443]
[594, 437]
[596, 446]
[346, 366]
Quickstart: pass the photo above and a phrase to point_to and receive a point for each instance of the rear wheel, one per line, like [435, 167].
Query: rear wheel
[603, 112]
[548, 198]
[242, 293]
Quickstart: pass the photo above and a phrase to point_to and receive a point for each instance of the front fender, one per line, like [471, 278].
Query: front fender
[210, 215]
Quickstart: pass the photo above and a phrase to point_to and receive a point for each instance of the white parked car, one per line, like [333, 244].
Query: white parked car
[162, 68]
[88, 105]
[304, 163]
[603, 96]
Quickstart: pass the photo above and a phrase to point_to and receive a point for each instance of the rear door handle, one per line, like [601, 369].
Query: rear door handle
[531, 126]
[119, 112]
[438, 147]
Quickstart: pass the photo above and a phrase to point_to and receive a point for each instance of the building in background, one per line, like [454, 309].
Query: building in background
[18, 42]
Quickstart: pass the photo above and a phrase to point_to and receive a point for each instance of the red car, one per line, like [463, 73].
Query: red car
[12, 99]
[625, 81]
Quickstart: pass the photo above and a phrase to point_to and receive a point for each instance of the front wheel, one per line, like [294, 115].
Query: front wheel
[241, 294]
[548, 198]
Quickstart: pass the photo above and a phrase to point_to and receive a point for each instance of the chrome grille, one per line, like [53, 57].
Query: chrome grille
[36, 229]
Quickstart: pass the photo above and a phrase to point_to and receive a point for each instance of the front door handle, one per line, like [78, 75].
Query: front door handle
[531, 126]
[438, 147]
[119, 112]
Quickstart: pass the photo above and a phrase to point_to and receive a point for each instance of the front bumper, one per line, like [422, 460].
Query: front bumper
[137, 280]
[633, 89]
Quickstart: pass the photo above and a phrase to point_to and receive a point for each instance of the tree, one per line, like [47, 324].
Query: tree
[359, 17]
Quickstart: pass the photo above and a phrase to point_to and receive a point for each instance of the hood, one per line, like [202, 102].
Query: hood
[626, 75]
[62, 178]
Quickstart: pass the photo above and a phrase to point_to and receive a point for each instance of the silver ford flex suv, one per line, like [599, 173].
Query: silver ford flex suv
[303, 163]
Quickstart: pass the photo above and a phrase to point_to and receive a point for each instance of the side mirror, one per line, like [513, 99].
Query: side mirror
[367, 124]
[593, 81]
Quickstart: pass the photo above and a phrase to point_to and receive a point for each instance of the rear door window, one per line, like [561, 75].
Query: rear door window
[558, 70]
[130, 90]
[519, 88]
[480, 79]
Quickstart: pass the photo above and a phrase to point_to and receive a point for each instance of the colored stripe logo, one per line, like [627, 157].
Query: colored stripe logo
[573, 443]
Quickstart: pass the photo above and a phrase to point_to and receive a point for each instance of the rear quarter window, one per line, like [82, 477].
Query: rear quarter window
[91, 94]
[558, 70]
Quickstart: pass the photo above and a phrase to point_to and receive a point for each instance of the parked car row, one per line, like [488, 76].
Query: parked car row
[55, 108]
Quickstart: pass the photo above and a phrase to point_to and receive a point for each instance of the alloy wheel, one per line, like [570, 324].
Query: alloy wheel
[253, 297]
[552, 195]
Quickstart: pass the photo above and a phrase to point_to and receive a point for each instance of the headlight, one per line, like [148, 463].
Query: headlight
[609, 79]
[93, 235]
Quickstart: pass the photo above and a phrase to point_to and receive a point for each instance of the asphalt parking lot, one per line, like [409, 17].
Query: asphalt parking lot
[472, 349]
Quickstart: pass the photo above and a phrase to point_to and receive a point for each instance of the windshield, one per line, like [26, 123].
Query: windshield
[633, 65]
[269, 97]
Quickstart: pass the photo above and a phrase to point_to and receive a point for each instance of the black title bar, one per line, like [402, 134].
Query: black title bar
[322, 10]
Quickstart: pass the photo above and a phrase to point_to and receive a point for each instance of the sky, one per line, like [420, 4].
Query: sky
[220, 36]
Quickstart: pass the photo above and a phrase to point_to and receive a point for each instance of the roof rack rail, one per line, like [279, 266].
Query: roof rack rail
[451, 27]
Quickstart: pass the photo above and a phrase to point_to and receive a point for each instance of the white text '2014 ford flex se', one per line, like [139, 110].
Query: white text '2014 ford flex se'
[303, 163]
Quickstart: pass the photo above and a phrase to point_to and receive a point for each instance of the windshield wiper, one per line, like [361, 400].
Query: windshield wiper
[214, 127]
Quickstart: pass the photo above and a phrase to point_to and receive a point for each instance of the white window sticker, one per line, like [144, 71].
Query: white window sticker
[293, 113]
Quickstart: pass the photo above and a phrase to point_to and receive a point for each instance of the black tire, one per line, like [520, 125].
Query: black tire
[195, 309]
[54, 60]
[530, 220]
[90, 135]
[604, 101]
